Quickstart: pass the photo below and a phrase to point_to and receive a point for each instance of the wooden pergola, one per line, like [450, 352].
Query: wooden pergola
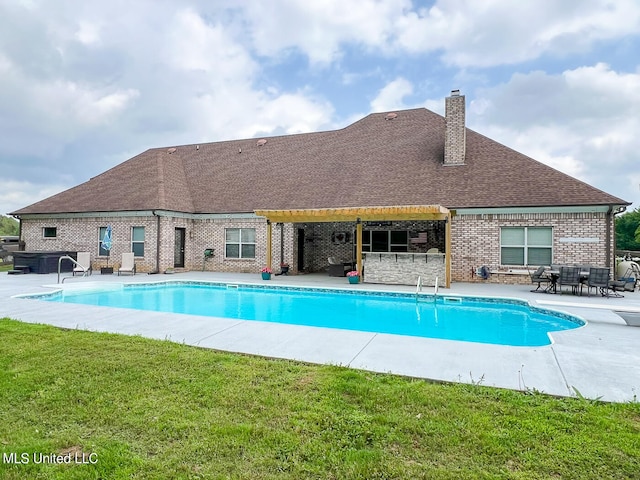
[359, 215]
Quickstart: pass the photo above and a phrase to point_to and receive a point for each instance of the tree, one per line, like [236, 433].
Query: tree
[628, 231]
[9, 226]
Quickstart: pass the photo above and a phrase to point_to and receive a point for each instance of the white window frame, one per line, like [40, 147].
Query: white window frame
[240, 243]
[101, 231]
[525, 246]
[55, 231]
[133, 241]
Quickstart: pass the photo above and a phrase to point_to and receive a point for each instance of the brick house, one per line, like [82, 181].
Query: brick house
[168, 205]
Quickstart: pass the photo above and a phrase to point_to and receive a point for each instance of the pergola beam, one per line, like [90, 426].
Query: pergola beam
[351, 214]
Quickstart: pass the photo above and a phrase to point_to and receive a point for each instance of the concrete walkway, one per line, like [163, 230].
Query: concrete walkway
[600, 360]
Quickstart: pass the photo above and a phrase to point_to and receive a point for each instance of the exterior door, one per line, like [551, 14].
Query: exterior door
[300, 249]
[178, 252]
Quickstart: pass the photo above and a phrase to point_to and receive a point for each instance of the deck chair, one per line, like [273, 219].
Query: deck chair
[540, 278]
[570, 276]
[128, 264]
[599, 278]
[338, 269]
[84, 261]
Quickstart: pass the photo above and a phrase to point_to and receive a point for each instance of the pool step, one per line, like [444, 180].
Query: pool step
[18, 269]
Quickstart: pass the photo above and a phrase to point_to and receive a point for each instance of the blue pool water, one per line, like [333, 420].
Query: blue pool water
[506, 322]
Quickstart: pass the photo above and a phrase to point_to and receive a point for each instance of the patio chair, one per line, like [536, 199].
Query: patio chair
[599, 278]
[540, 277]
[84, 261]
[616, 286]
[338, 269]
[570, 276]
[128, 264]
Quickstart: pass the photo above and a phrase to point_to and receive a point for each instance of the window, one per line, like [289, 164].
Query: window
[50, 232]
[385, 240]
[101, 250]
[526, 245]
[137, 241]
[240, 243]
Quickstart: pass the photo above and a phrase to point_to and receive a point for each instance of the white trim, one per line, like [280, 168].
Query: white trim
[525, 210]
[139, 213]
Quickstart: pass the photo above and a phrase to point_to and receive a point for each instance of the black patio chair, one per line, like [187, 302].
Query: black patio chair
[570, 276]
[599, 278]
[540, 278]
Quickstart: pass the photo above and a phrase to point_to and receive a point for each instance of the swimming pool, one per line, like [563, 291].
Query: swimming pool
[485, 320]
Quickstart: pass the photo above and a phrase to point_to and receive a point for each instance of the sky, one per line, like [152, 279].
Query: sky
[86, 85]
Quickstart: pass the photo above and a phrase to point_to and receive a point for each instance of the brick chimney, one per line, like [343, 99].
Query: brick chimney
[455, 129]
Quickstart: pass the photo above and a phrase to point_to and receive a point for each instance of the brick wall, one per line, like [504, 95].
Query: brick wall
[455, 134]
[82, 235]
[476, 242]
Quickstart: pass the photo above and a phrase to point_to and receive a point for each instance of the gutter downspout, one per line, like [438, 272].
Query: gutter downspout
[610, 239]
[20, 242]
[157, 270]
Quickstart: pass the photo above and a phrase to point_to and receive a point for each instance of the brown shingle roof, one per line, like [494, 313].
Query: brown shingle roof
[371, 162]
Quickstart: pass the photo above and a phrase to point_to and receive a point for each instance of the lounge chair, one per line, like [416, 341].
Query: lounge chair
[128, 264]
[540, 277]
[84, 264]
[338, 269]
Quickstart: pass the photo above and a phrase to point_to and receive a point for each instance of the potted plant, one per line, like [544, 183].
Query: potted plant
[353, 276]
[266, 273]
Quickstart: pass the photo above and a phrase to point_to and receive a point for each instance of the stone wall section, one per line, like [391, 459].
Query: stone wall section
[404, 269]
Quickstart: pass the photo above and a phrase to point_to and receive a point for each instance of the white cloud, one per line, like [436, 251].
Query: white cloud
[486, 33]
[583, 122]
[18, 194]
[391, 96]
[192, 44]
[88, 33]
[320, 29]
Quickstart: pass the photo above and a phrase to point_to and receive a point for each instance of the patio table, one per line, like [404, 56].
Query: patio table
[554, 275]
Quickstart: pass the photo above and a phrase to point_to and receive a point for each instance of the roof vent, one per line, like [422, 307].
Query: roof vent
[390, 116]
[261, 142]
[171, 150]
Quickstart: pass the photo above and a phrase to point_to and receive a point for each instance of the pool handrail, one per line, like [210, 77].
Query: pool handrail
[85, 270]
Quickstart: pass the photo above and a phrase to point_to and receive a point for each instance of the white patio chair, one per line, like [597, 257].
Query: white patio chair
[84, 263]
[128, 264]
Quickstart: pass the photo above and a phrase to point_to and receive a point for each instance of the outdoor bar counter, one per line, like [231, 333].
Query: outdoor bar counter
[404, 268]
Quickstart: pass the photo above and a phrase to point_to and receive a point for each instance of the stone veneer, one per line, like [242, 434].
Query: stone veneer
[405, 268]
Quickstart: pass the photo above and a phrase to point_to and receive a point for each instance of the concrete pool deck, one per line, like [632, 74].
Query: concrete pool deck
[600, 360]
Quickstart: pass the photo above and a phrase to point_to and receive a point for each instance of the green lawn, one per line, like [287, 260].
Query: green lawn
[159, 410]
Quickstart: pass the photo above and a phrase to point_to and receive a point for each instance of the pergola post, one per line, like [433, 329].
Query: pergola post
[268, 243]
[359, 246]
